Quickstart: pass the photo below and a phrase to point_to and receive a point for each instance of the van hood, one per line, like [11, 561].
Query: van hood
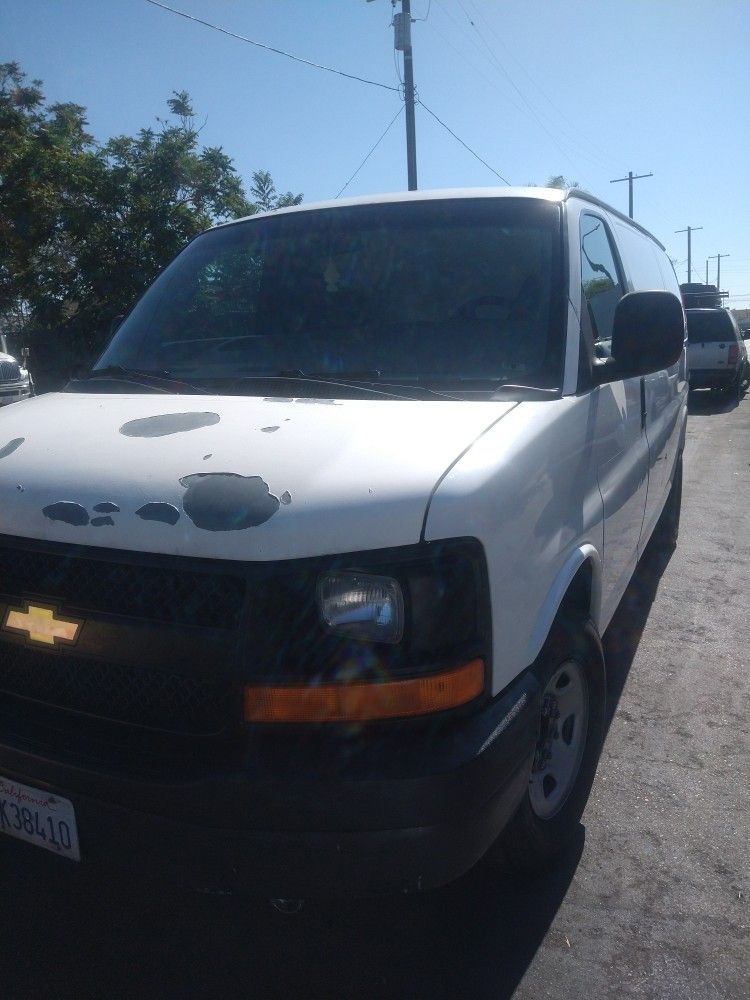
[228, 477]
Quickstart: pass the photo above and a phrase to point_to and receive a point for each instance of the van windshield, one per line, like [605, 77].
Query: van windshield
[438, 291]
[709, 327]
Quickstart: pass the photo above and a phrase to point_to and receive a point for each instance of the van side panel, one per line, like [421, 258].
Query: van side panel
[621, 455]
[527, 489]
[665, 393]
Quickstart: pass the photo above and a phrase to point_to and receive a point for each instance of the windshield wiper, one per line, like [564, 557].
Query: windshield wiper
[297, 376]
[373, 375]
[154, 381]
[536, 390]
[526, 388]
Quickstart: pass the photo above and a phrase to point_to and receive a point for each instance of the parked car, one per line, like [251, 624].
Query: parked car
[302, 586]
[700, 296]
[717, 356]
[744, 328]
[15, 381]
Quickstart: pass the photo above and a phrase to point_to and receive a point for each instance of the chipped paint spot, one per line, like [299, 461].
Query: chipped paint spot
[68, 512]
[226, 501]
[286, 497]
[19, 488]
[99, 522]
[168, 423]
[206, 457]
[166, 513]
[11, 446]
[270, 430]
[106, 507]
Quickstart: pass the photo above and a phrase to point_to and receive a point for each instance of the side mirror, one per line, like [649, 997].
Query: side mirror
[648, 334]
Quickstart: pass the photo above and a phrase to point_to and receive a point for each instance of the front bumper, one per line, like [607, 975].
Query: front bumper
[323, 812]
[14, 392]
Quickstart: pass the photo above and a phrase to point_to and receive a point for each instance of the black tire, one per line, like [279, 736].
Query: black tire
[732, 392]
[530, 843]
[667, 528]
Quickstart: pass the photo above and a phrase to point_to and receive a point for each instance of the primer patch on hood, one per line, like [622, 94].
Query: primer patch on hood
[11, 446]
[68, 512]
[226, 501]
[166, 513]
[168, 423]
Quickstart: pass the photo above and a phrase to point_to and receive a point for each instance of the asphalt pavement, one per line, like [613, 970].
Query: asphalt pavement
[651, 901]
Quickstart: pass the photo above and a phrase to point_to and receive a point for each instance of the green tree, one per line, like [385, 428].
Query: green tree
[265, 196]
[561, 182]
[85, 227]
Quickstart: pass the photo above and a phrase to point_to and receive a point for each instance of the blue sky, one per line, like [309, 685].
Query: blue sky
[589, 89]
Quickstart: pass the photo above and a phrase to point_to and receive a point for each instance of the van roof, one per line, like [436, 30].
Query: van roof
[441, 194]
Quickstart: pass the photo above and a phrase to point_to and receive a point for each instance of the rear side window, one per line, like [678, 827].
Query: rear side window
[648, 267]
[600, 276]
[709, 327]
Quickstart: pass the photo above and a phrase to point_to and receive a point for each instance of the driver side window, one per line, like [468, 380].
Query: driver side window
[601, 282]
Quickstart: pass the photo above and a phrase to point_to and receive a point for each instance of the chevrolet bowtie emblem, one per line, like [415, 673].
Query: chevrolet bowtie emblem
[41, 624]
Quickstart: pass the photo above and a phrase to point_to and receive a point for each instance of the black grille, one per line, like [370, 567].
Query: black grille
[10, 371]
[144, 697]
[156, 593]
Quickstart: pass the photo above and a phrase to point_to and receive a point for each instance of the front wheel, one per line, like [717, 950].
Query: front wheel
[571, 730]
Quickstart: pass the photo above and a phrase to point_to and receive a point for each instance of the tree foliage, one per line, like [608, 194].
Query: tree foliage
[561, 182]
[84, 227]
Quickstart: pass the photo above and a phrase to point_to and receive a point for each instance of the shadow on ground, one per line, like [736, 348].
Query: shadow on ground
[706, 402]
[65, 935]
[621, 639]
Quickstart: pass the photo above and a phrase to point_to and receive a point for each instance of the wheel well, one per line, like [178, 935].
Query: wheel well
[578, 596]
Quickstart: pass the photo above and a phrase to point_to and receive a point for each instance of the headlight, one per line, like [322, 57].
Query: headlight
[361, 606]
[388, 634]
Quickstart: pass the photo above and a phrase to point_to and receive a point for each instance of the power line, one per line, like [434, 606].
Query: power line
[429, 4]
[371, 152]
[572, 129]
[467, 147]
[270, 48]
[558, 140]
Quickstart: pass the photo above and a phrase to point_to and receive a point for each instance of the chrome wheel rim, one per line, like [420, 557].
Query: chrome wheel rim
[562, 739]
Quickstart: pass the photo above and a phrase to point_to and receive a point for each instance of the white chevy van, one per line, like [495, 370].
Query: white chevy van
[301, 587]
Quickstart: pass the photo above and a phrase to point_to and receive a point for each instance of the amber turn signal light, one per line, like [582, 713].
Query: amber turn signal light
[365, 702]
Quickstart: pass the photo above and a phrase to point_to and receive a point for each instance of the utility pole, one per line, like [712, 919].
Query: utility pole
[717, 257]
[630, 178]
[402, 43]
[689, 230]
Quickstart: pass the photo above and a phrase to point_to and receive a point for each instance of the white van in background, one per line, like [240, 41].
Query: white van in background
[302, 586]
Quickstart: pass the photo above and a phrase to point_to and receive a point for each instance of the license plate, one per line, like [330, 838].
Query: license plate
[38, 817]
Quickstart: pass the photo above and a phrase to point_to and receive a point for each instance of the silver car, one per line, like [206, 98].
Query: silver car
[15, 381]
